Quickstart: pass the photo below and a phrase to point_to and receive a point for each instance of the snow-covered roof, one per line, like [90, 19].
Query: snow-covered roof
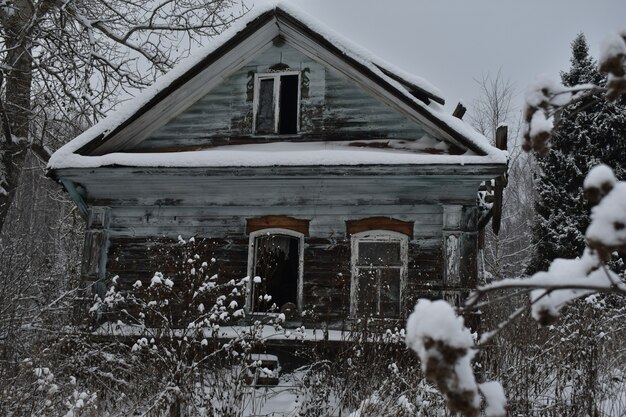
[274, 154]
[414, 91]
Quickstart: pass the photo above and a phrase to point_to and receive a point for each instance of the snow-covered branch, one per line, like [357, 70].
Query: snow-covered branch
[546, 99]
[568, 279]
[446, 347]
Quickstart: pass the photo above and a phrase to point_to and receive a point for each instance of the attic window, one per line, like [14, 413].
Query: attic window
[277, 103]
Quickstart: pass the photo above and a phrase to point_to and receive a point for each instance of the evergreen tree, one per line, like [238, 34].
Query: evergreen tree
[589, 132]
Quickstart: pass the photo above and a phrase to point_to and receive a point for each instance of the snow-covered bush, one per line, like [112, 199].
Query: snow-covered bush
[374, 375]
[173, 324]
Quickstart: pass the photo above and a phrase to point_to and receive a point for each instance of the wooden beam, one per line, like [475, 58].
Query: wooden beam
[502, 134]
[76, 196]
[498, 194]
[459, 111]
[379, 223]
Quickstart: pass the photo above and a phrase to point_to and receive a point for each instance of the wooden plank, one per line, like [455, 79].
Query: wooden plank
[188, 221]
[76, 196]
[349, 110]
[162, 189]
[500, 182]
[431, 212]
[278, 222]
[379, 223]
[459, 111]
[468, 263]
[465, 172]
[94, 244]
[222, 116]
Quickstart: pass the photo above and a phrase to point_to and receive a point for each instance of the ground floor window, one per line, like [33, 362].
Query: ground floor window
[379, 264]
[275, 264]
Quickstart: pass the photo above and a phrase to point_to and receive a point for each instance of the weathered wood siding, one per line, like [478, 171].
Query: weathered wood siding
[326, 277]
[146, 210]
[135, 252]
[332, 107]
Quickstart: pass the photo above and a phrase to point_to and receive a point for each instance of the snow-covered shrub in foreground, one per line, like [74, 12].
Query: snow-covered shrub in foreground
[443, 343]
[175, 320]
[446, 348]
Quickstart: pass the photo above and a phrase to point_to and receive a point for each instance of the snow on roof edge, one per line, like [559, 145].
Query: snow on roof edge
[357, 51]
[373, 63]
[275, 154]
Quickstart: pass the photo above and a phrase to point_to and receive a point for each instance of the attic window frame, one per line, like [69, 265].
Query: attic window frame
[378, 236]
[276, 76]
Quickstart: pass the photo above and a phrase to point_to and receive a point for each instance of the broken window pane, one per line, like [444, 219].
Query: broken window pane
[265, 109]
[277, 262]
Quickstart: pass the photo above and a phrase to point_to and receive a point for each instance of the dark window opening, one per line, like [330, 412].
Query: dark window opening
[277, 104]
[288, 112]
[277, 263]
[266, 107]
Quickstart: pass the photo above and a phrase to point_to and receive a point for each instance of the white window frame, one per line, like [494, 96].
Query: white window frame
[377, 236]
[255, 102]
[252, 263]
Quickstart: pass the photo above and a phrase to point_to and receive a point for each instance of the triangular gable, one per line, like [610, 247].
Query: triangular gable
[187, 83]
[331, 108]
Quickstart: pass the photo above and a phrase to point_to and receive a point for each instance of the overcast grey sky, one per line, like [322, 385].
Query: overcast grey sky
[452, 42]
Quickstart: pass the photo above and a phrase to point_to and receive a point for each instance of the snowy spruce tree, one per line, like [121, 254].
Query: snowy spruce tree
[589, 132]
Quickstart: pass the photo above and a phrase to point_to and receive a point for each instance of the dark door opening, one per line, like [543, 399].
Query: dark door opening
[277, 263]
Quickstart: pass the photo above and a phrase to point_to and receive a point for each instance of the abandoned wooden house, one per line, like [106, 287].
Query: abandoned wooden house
[296, 156]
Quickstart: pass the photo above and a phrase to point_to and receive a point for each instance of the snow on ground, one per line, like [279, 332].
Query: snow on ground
[284, 399]
[262, 332]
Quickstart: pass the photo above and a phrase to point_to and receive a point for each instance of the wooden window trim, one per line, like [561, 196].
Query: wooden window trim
[377, 236]
[252, 260]
[379, 223]
[278, 222]
[255, 101]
